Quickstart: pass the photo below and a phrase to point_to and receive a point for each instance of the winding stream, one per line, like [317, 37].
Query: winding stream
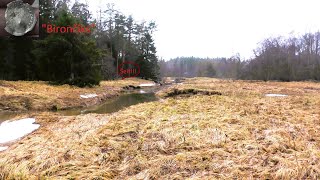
[116, 104]
[127, 99]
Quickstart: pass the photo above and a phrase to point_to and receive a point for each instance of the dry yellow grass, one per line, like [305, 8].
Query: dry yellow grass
[241, 134]
[24, 95]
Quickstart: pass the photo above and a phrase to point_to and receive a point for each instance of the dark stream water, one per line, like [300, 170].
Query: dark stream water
[118, 103]
[110, 106]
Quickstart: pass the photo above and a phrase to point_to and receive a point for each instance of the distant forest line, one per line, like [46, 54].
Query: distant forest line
[295, 58]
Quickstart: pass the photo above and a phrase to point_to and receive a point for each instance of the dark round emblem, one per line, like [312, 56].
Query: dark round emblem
[20, 18]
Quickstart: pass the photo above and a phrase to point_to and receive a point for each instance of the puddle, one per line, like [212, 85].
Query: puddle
[10, 131]
[276, 95]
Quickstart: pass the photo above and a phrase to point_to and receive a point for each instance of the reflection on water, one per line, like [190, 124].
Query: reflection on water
[117, 104]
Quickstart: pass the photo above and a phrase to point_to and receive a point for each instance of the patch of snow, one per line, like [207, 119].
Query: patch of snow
[12, 130]
[147, 84]
[142, 92]
[276, 95]
[3, 148]
[86, 96]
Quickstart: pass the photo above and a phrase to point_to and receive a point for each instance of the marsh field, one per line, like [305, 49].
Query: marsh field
[202, 128]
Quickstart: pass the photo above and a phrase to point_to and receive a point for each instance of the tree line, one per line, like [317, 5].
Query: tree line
[292, 58]
[82, 59]
[201, 67]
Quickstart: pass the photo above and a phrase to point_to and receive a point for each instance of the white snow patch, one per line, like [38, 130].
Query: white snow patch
[142, 91]
[276, 95]
[12, 130]
[147, 84]
[3, 148]
[86, 96]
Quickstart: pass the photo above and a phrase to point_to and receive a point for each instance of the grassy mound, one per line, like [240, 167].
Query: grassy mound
[176, 92]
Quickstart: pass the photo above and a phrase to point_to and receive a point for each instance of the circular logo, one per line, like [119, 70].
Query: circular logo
[20, 18]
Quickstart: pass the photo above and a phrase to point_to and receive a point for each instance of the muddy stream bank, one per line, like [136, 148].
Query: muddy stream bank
[127, 98]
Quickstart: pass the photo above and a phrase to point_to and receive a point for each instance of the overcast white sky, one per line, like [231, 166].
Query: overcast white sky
[218, 28]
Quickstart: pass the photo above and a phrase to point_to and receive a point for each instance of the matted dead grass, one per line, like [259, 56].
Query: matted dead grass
[37, 95]
[239, 135]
